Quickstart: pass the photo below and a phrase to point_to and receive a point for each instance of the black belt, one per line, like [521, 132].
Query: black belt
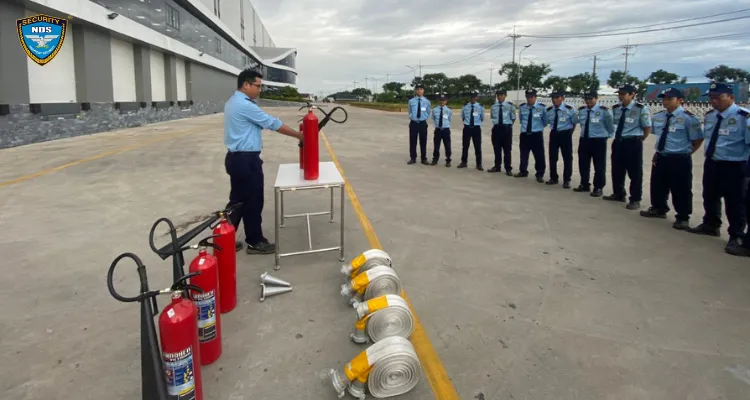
[533, 133]
[244, 153]
[675, 155]
[631, 137]
[419, 122]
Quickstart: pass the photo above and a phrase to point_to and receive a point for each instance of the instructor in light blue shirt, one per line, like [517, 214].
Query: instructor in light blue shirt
[244, 122]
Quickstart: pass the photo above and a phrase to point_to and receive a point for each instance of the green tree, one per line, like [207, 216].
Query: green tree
[393, 87]
[723, 73]
[555, 83]
[532, 75]
[662, 77]
[466, 83]
[581, 83]
[361, 92]
[434, 83]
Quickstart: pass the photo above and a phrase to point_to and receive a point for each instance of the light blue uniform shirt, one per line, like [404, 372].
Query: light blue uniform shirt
[734, 133]
[508, 114]
[422, 103]
[538, 117]
[601, 125]
[447, 116]
[684, 127]
[478, 111]
[244, 122]
[637, 117]
[567, 117]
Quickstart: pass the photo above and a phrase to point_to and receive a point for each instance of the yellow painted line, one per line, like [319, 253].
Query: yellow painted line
[442, 386]
[95, 157]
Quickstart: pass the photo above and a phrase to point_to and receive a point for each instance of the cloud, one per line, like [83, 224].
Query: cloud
[343, 42]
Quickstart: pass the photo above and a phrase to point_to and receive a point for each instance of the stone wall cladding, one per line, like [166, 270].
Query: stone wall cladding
[21, 127]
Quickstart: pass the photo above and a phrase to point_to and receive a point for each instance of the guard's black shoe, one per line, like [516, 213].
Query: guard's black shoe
[263, 247]
[509, 173]
[479, 167]
[566, 185]
[521, 174]
[238, 246]
[653, 213]
[540, 179]
[425, 162]
[613, 197]
[704, 229]
[462, 165]
[552, 182]
[494, 169]
[582, 189]
[434, 162]
[680, 225]
[412, 161]
[734, 245]
[597, 193]
[633, 205]
[447, 164]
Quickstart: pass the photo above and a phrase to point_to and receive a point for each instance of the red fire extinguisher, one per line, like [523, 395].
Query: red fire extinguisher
[301, 149]
[180, 348]
[207, 303]
[224, 239]
[311, 151]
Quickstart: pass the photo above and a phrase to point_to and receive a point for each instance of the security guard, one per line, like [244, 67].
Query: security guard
[442, 117]
[596, 128]
[419, 112]
[678, 135]
[562, 120]
[503, 115]
[727, 150]
[472, 115]
[533, 120]
[243, 124]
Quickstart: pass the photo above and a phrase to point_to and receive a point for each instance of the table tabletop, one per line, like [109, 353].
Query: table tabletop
[291, 176]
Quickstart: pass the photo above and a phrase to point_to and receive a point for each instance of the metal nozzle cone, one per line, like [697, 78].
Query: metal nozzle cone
[266, 291]
[273, 281]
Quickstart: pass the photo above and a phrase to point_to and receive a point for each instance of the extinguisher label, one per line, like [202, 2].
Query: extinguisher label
[178, 368]
[206, 303]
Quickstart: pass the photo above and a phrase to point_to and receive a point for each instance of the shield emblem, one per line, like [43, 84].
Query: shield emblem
[41, 36]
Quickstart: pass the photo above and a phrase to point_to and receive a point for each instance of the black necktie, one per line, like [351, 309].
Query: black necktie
[664, 132]
[471, 119]
[441, 118]
[586, 128]
[528, 122]
[554, 124]
[621, 124]
[714, 137]
[419, 108]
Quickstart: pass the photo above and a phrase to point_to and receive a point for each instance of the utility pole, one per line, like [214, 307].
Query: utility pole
[355, 85]
[627, 48]
[514, 36]
[365, 82]
[593, 75]
[420, 68]
[387, 78]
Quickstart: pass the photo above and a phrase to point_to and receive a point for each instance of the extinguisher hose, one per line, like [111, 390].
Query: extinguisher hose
[145, 293]
[328, 117]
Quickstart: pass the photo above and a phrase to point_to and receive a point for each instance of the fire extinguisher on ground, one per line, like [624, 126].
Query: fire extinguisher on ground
[224, 239]
[207, 302]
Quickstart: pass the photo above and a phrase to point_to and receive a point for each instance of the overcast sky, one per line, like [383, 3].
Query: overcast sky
[340, 44]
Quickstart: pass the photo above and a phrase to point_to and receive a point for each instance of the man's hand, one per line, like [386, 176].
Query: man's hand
[288, 131]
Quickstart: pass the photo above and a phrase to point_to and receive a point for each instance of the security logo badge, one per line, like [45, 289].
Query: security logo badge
[41, 36]
[731, 122]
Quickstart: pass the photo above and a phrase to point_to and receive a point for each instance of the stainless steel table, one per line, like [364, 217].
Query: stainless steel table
[290, 178]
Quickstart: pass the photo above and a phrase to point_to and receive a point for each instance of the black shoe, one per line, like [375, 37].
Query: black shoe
[737, 249]
[462, 165]
[261, 248]
[552, 182]
[653, 213]
[448, 164]
[412, 161]
[479, 167]
[540, 179]
[613, 197]
[494, 169]
[566, 185]
[434, 162]
[597, 193]
[582, 189]
[704, 229]
[521, 174]
[509, 173]
[633, 205]
[238, 246]
[680, 225]
[424, 162]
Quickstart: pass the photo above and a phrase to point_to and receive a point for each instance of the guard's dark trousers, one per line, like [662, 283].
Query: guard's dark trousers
[502, 141]
[472, 134]
[627, 157]
[245, 171]
[673, 173]
[535, 144]
[724, 179]
[442, 135]
[593, 149]
[561, 142]
[418, 130]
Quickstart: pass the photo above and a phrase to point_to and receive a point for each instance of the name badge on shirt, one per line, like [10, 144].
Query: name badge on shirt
[476, 114]
[537, 115]
[424, 108]
[724, 132]
[673, 129]
[629, 120]
[563, 119]
[445, 116]
[595, 120]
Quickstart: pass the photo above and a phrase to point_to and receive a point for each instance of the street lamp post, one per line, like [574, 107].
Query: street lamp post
[518, 81]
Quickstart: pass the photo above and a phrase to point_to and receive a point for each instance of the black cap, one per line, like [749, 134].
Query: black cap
[557, 94]
[531, 92]
[419, 86]
[719, 88]
[501, 91]
[474, 93]
[671, 92]
[591, 94]
[442, 96]
[627, 89]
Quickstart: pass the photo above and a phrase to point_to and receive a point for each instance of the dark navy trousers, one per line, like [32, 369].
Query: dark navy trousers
[724, 180]
[245, 171]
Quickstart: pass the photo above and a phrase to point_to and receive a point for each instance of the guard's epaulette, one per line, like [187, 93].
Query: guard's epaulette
[549, 108]
[509, 102]
[568, 106]
[639, 105]
[581, 107]
[604, 107]
[522, 105]
[688, 113]
[541, 104]
[616, 106]
[709, 112]
[743, 112]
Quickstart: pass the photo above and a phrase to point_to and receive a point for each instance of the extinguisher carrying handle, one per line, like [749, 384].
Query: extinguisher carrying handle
[224, 213]
[205, 242]
[164, 252]
[182, 285]
[328, 117]
[145, 292]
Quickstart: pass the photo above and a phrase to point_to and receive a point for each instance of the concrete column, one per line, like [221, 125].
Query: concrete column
[93, 64]
[170, 76]
[189, 80]
[14, 70]
[142, 56]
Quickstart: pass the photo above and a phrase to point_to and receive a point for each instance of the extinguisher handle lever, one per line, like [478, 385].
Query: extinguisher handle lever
[206, 242]
[145, 292]
[181, 283]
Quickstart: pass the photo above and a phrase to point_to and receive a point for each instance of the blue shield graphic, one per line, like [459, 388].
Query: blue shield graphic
[41, 36]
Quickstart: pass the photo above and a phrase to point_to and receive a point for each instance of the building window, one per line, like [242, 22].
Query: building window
[218, 45]
[242, 19]
[217, 8]
[173, 17]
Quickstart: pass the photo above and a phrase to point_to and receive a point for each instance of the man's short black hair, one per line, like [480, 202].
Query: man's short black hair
[249, 76]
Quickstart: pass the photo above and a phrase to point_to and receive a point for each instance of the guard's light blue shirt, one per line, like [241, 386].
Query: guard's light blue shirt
[508, 113]
[601, 125]
[419, 102]
[538, 117]
[637, 117]
[472, 108]
[244, 122]
[733, 143]
[447, 116]
[684, 127]
[567, 117]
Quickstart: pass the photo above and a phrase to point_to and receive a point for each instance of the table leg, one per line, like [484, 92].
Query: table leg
[331, 221]
[282, 210]
[341, 257]
[277, 193]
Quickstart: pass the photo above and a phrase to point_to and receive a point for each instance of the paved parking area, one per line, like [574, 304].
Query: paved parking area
[524, 291]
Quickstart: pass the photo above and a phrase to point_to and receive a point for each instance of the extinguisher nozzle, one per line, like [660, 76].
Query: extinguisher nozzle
[268, 291]
[273, 281]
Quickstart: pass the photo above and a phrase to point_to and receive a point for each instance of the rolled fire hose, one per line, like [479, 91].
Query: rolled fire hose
[366, 261]
[382, 317]
[376, 282]
[389, 367]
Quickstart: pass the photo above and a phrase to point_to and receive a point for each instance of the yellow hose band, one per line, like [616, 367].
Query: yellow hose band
[362, 323]
[377, 303]
[357, 366]
[360, 282]
[359, 261]
[363, 378]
